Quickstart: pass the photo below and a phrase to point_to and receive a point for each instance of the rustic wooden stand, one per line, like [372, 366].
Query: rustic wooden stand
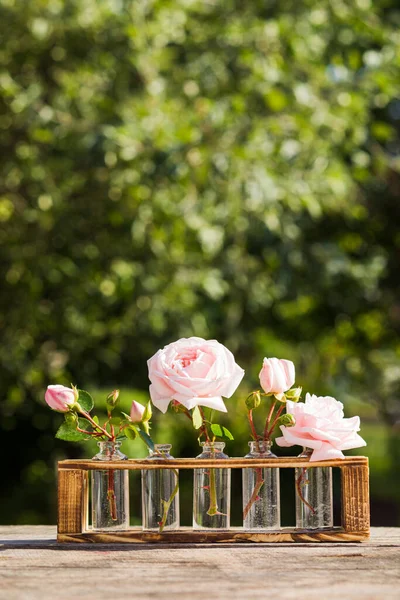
[73, 480]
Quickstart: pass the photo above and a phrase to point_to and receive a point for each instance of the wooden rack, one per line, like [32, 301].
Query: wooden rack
[73, 478]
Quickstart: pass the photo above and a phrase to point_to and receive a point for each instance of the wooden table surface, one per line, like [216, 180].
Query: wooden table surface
[34, 566]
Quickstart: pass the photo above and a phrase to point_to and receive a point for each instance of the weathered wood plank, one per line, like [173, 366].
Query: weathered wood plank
[33, 566]
[72, 500]
[191, 463]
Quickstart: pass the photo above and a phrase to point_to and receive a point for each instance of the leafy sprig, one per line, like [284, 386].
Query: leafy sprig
[274, 417]
[208, 430]
[79, 425]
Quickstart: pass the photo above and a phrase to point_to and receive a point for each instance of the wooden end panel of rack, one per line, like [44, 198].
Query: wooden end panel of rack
[72, 500]
[355, 498]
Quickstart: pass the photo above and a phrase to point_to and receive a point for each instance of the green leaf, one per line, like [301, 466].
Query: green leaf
[197, 418]
[85, 400]
[227, 434]
[69, 433]
[116, 421]
[146, 438]
[221, 431]
[131, 433]
[147, 412]
[96, 420]
[84, 424]
[127, 417]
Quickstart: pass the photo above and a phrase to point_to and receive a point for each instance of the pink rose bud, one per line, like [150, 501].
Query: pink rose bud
[277, 375]
[137, 411]
[59, 397]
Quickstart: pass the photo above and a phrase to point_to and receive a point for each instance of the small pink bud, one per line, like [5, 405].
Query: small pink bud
[137, 411]
[59, 397]
[277, 375]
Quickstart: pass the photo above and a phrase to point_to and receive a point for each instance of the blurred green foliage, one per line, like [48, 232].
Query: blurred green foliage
[219, 168]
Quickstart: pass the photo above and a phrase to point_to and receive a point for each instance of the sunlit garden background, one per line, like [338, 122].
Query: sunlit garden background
[223, 169]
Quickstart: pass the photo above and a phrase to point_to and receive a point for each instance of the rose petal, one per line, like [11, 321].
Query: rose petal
[325, 452]
[216, 403]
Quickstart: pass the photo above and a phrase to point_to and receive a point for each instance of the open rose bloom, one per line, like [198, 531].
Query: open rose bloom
[320, 424]
[194, 372]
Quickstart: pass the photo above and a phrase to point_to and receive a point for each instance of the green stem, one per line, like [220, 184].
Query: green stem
[167, 503]
[213, 510]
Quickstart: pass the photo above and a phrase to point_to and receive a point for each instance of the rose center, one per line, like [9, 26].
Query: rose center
[187, 359]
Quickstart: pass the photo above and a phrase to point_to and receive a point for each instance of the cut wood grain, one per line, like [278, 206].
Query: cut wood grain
[355, 498]
[186, 535]
[72, 500]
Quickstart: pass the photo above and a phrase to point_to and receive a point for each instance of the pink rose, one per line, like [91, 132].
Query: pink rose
[277, 375]
[137, 411]
[59, 397]
[320, 424]
[194, 372]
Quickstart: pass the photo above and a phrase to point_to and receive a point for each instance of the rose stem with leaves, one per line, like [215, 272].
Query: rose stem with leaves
[112, 500]
[259, 478]
[213, 508]
[101, 432]
[111, 479]
[167, 503]
[267, 436]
